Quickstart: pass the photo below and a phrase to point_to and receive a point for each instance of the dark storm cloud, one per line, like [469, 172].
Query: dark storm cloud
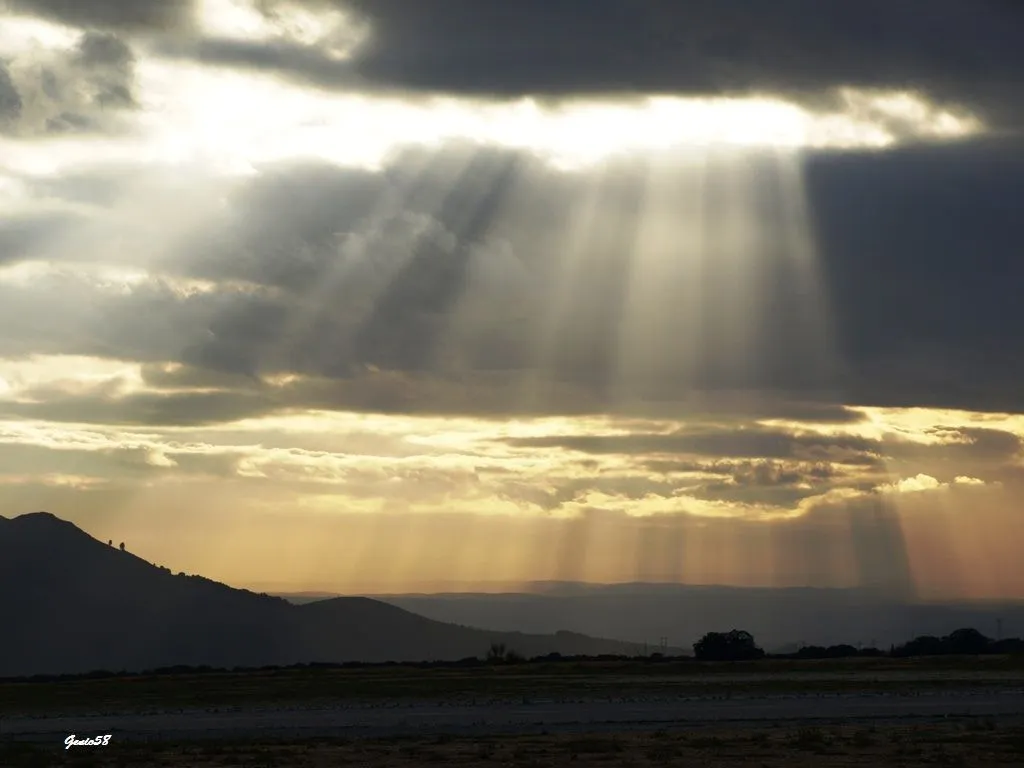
[305, 64]
[920, 251]
[160, 15]
[966, 50]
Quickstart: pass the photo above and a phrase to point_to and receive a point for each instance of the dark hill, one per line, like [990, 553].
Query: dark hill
[73, 604]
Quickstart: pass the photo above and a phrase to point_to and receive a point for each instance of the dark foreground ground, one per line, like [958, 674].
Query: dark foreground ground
[971, 742]
[879, 712]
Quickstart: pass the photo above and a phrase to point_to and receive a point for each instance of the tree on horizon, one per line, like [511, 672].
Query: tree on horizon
[735, 645]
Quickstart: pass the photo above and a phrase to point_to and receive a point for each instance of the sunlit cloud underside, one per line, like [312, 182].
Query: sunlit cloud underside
[225, 118]
[232, 120]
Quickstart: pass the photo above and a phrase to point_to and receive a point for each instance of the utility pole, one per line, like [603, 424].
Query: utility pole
[999, 629]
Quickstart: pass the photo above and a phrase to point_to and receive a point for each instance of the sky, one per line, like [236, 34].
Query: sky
[381, 296]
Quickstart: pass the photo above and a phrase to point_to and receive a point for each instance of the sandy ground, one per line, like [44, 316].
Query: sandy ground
[526, 716]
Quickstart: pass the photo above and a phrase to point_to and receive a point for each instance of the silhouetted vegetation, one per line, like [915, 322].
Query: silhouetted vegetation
[962, 642]
[842, 651]
[499, 654]
[1009, 645]
[966, 641]
[496, 653]
[735, 645]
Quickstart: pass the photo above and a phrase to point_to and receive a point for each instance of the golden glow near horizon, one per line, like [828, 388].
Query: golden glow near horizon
[235, 474]
[321, 479]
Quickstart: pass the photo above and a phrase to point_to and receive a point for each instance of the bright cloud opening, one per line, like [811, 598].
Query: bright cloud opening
[289, 22]
[916, 484]
[237, 120]
[231, 120]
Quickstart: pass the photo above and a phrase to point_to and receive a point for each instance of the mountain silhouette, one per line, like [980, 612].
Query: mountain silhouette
[781, 618]
[72, 604]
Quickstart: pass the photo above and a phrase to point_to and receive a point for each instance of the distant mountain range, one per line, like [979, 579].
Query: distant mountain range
[780, 619]
[72, 604]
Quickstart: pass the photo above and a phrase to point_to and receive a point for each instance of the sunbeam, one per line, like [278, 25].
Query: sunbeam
[344, 285]
[567, 268]
[424, 295]
[405, 296]
[661, 328]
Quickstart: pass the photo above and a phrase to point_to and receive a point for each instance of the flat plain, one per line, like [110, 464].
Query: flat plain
[959, 711]
[538, 679]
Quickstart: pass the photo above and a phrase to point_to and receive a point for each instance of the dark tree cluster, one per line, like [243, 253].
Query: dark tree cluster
[738, 645]
[966, 641]
[734, 645]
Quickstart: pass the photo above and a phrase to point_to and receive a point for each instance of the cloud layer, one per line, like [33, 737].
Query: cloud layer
[308, 257]
[959, 50]
[453, 273]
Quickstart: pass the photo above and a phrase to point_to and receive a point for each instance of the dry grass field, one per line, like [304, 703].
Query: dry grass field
[588, 679]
